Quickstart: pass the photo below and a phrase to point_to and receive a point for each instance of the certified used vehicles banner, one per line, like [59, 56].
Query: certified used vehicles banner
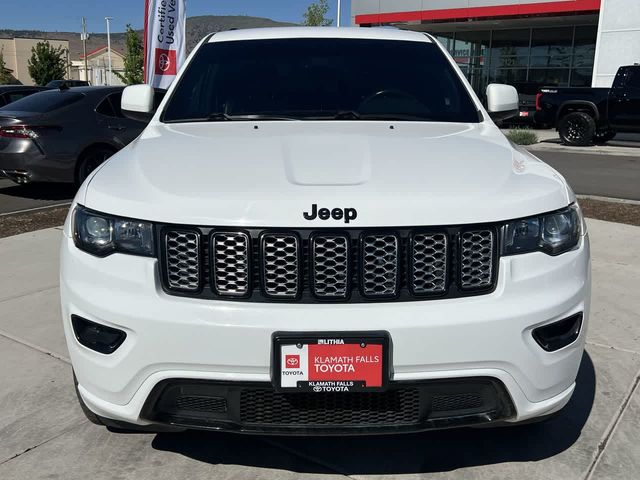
[164, 40]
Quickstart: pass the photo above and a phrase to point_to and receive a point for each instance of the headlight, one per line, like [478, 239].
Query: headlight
[100, 234]
[554, 233]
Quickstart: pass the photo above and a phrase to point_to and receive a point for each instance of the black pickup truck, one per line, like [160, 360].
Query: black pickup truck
[584, 116]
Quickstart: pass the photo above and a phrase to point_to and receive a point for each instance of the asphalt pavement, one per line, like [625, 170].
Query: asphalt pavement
[15, 198]
[601, 175]
[43, 434]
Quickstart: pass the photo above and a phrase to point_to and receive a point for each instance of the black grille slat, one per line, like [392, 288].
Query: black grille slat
[477, 248]
[330, 266]
[266, 407]
[231, 259]
[191, 403]
[308, 266]
[460, 401]
[182, 253]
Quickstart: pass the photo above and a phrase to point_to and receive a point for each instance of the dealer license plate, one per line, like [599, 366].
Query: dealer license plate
[331, 362]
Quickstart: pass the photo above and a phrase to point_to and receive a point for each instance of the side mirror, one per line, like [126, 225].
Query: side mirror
[138, 102]
[502, 101]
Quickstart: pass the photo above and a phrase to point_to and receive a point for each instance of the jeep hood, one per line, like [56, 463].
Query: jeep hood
[269, 173]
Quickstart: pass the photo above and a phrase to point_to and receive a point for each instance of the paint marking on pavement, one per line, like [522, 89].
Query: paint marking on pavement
[37, 209]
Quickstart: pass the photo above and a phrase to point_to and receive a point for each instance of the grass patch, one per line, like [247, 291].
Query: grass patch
[522, 136]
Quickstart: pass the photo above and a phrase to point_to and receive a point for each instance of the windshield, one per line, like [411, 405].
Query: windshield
[318, 79]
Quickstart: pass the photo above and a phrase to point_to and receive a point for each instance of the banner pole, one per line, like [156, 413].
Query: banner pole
[146, 41]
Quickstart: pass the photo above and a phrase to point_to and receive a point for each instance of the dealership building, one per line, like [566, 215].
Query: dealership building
[521, 42]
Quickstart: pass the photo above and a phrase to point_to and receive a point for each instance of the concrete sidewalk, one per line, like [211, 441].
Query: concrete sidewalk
[43, 434]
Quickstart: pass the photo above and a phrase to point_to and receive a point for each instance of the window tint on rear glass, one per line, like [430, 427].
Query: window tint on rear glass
[319, 79]
[44, 102]
[633, 78]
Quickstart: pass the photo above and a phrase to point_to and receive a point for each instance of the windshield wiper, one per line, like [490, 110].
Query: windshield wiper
[347, 115]
[353, 115]
[225, 117]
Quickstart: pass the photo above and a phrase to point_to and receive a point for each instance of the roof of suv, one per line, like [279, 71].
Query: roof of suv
[319, 32]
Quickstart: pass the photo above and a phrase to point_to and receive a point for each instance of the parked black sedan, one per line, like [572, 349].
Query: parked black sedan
[13, 93]
[63, 135]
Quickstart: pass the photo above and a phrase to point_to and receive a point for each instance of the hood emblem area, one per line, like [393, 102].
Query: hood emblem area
[345, 214]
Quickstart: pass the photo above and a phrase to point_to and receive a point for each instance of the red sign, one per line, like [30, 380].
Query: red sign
[349, 362]
[292, 361]
[165, 62]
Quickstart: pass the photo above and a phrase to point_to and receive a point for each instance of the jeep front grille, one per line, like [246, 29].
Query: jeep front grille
[429, 257]
[380, 265]
[230, 254]
[183, 260]
[330, 266]
[310, 266]
[280, 265]
[477, 250]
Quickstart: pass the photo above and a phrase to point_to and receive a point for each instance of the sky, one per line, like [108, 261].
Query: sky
[65, 15]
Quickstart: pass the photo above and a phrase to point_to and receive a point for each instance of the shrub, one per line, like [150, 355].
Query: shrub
[522, 136]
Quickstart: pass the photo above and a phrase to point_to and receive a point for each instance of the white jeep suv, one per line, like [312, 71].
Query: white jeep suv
[322, 231]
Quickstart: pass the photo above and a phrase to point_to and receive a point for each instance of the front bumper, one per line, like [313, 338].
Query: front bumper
[171, 338]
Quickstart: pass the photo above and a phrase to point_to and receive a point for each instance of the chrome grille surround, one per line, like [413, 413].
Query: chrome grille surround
[380, 265]
[330, 257]
[280, 260]
[429, 263]
[182, 260]
[477, 249]
[231, 263]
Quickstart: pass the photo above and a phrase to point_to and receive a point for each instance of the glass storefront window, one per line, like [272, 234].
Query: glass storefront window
[471, 44]
[557, 61]
[552, 77]
[446, 39]
[551, 41]
[510, 42]
[527, 56]
[508, 75]
[584, 50]
[581, 77]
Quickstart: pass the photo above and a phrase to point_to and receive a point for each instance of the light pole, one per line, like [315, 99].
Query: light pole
[84, 36]
[339, 10]
[108, 19]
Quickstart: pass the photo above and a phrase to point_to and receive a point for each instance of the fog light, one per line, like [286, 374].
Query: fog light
[559, 334]
[99, 338]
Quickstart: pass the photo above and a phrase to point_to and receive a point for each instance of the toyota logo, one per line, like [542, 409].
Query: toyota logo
[163, 62]
[317, 389]
[293, 362]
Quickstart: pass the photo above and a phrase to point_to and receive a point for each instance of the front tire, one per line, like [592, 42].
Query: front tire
[577, 129]
[90, 160]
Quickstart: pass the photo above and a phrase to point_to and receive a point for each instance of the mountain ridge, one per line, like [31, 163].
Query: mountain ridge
[197, 28]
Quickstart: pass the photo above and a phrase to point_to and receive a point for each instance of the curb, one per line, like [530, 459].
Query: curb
[608, 199]
[37, 209]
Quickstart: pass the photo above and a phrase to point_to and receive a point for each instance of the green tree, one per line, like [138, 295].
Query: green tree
[5, 75]
[47, 63]
[315, 16]
[133, 59]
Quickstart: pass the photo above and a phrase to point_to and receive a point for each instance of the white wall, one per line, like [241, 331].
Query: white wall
[618, 39]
